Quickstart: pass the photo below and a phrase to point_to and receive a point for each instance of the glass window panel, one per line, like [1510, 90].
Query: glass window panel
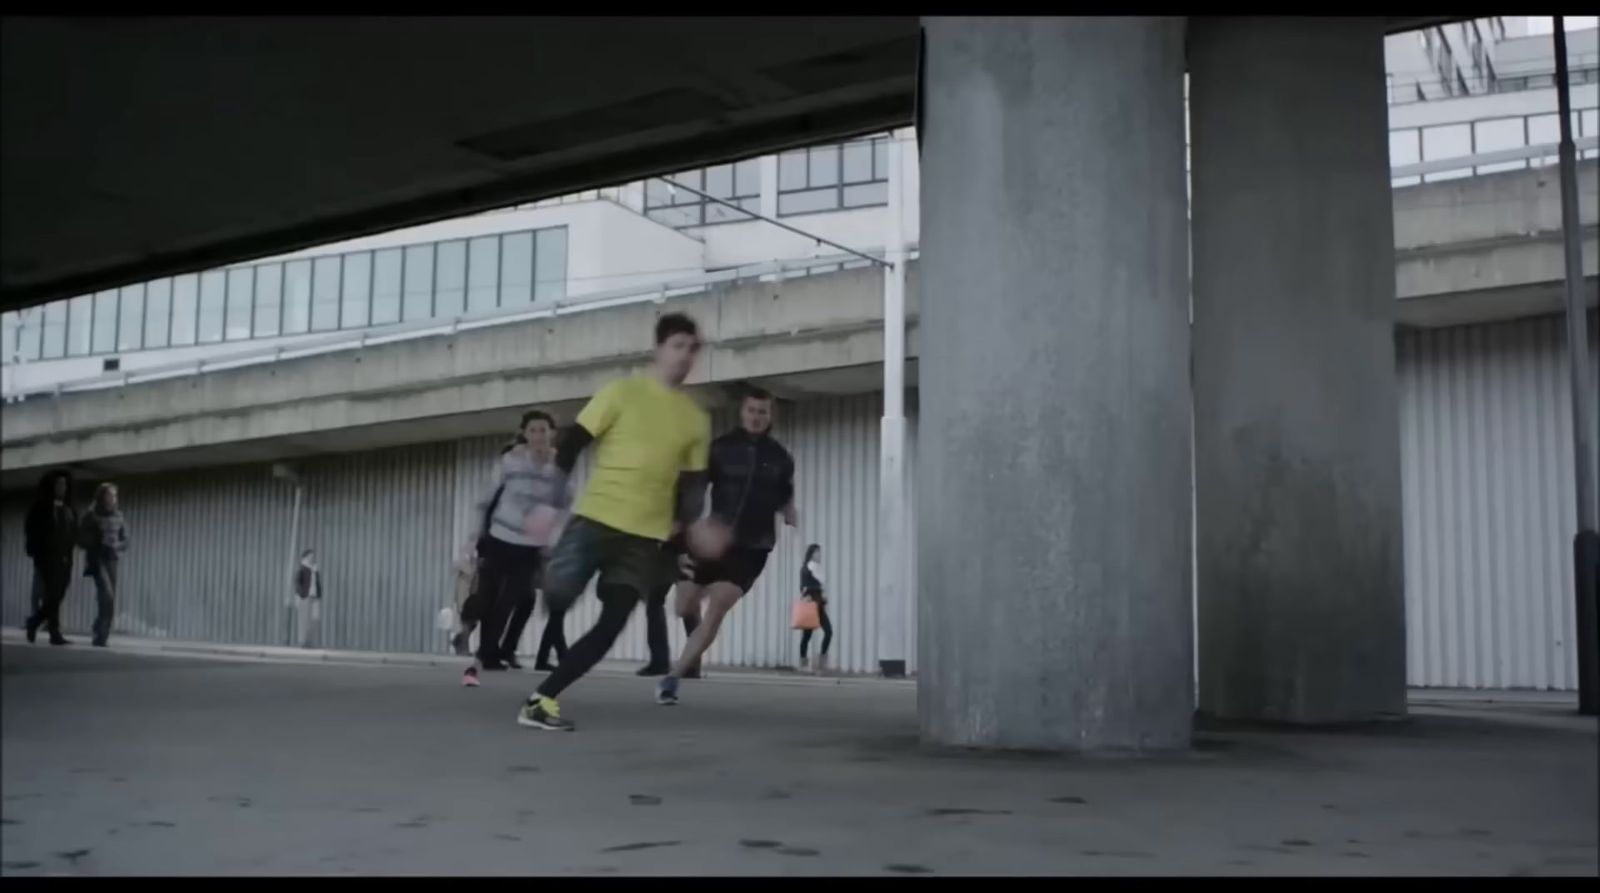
[269, 300]
[79, 317]
[1405, 147]
[880, 156]
[1447, 141]
[858, 162]
[824, 165]
[656, 194]
[724, 214]
[747, 178]
[213, 293]
[418, 282]
[241, 296]
[1498, 134]
[676, 217]
[691, 179]
[185, 301]
[483, 273]
[8, 336]
[386, 286]
[30, 328]
[356, 289]
[451, 275]
[550, 264]
[325, 294]
[130, 318]
[866, 194]
[296, 297]
[719, 180]
[792, 170]
[105, 322]
[157, 312]
[1589, 122]
[55, 329]
[516, 269]
[808, 202]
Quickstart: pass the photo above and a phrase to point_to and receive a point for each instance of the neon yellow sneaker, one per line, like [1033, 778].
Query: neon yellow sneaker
[543, 713]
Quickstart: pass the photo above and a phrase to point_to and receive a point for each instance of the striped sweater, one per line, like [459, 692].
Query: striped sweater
[527, 485]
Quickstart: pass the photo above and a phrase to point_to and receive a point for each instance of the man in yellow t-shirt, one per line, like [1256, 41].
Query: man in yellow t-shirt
[651, 441]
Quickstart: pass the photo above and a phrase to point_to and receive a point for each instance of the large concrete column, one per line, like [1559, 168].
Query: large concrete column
[1297, 451]
[1053, 475]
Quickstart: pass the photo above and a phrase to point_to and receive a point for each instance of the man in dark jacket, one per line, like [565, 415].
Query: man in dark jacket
[752, 482]
[50, 533]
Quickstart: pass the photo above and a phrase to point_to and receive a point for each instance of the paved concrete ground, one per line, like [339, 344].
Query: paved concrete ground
[136, 763]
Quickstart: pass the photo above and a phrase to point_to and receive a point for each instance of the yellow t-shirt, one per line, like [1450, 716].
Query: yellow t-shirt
[645, 434]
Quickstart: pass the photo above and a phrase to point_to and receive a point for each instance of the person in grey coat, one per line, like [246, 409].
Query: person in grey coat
[105, 539]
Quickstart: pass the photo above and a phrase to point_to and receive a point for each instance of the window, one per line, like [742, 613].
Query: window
[8, 336]
[296, 297]
[516, 269]
[1444, 142]
[157, 312]
[483, 273]
[185, 300]
[739, 183]
[30, 325]
[853, 174]
[356, 290]
[417, 282]
[79, 316]
[269, 300]
[55, 329]
[550, 264]
[451, 275]
[386, 286]
[130, 318]
[325, 276]
[105, 322]
[213, 303]
[1495, 135]
[241, 298]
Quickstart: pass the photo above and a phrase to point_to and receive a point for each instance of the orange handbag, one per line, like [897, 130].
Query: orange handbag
[805, 615]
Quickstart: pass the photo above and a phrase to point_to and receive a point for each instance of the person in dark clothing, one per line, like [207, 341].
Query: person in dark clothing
[105, 538]
[655, 613]
[752, 482]
[811, 587]
[50, 533]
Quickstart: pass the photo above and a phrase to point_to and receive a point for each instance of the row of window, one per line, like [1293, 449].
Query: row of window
[342, 291]
[832, 177]
[1442, 141]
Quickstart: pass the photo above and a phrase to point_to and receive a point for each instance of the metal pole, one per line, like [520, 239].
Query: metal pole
[893, 564]
[778, 223]
[1586, 544]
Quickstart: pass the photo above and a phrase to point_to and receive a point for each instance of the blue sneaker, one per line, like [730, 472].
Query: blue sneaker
[667, 691]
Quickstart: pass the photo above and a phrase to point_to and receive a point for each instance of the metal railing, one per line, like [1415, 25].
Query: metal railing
[1506, 142]
[334, 342]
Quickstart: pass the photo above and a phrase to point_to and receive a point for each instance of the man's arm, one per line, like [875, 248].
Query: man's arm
[573, 440]
[791, 515]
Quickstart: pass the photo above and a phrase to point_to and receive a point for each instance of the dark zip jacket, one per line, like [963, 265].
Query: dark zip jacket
[752, 480]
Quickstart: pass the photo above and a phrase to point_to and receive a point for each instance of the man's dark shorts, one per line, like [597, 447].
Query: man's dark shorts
[587, 548]
[738, 566]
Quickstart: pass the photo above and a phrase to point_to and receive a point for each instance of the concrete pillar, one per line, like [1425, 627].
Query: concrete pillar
[1053, 467]
[1297, 451]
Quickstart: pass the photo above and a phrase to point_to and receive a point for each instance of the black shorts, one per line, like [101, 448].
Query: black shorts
[738, 566]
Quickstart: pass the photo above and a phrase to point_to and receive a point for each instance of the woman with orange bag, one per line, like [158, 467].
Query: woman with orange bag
[811, 591]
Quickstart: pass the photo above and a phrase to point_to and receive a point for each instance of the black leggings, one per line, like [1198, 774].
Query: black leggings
[827, 632]
[554, 638]
[53, 579]
[616, 605]
[505, 584]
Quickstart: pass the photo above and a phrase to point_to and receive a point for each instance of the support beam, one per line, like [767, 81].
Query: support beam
[1053, 458]
[1297, 455]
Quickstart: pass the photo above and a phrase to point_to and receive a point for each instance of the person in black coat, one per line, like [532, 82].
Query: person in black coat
[50, 533]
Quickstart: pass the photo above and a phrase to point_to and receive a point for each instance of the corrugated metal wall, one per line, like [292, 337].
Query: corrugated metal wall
[1486, 451]
[210, 549]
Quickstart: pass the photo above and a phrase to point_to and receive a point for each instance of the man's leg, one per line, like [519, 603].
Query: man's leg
[687, 606]
[616, 605]
[105, 592]
[720, 598]
[655, 624]
[554, 639]
[56, 583]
